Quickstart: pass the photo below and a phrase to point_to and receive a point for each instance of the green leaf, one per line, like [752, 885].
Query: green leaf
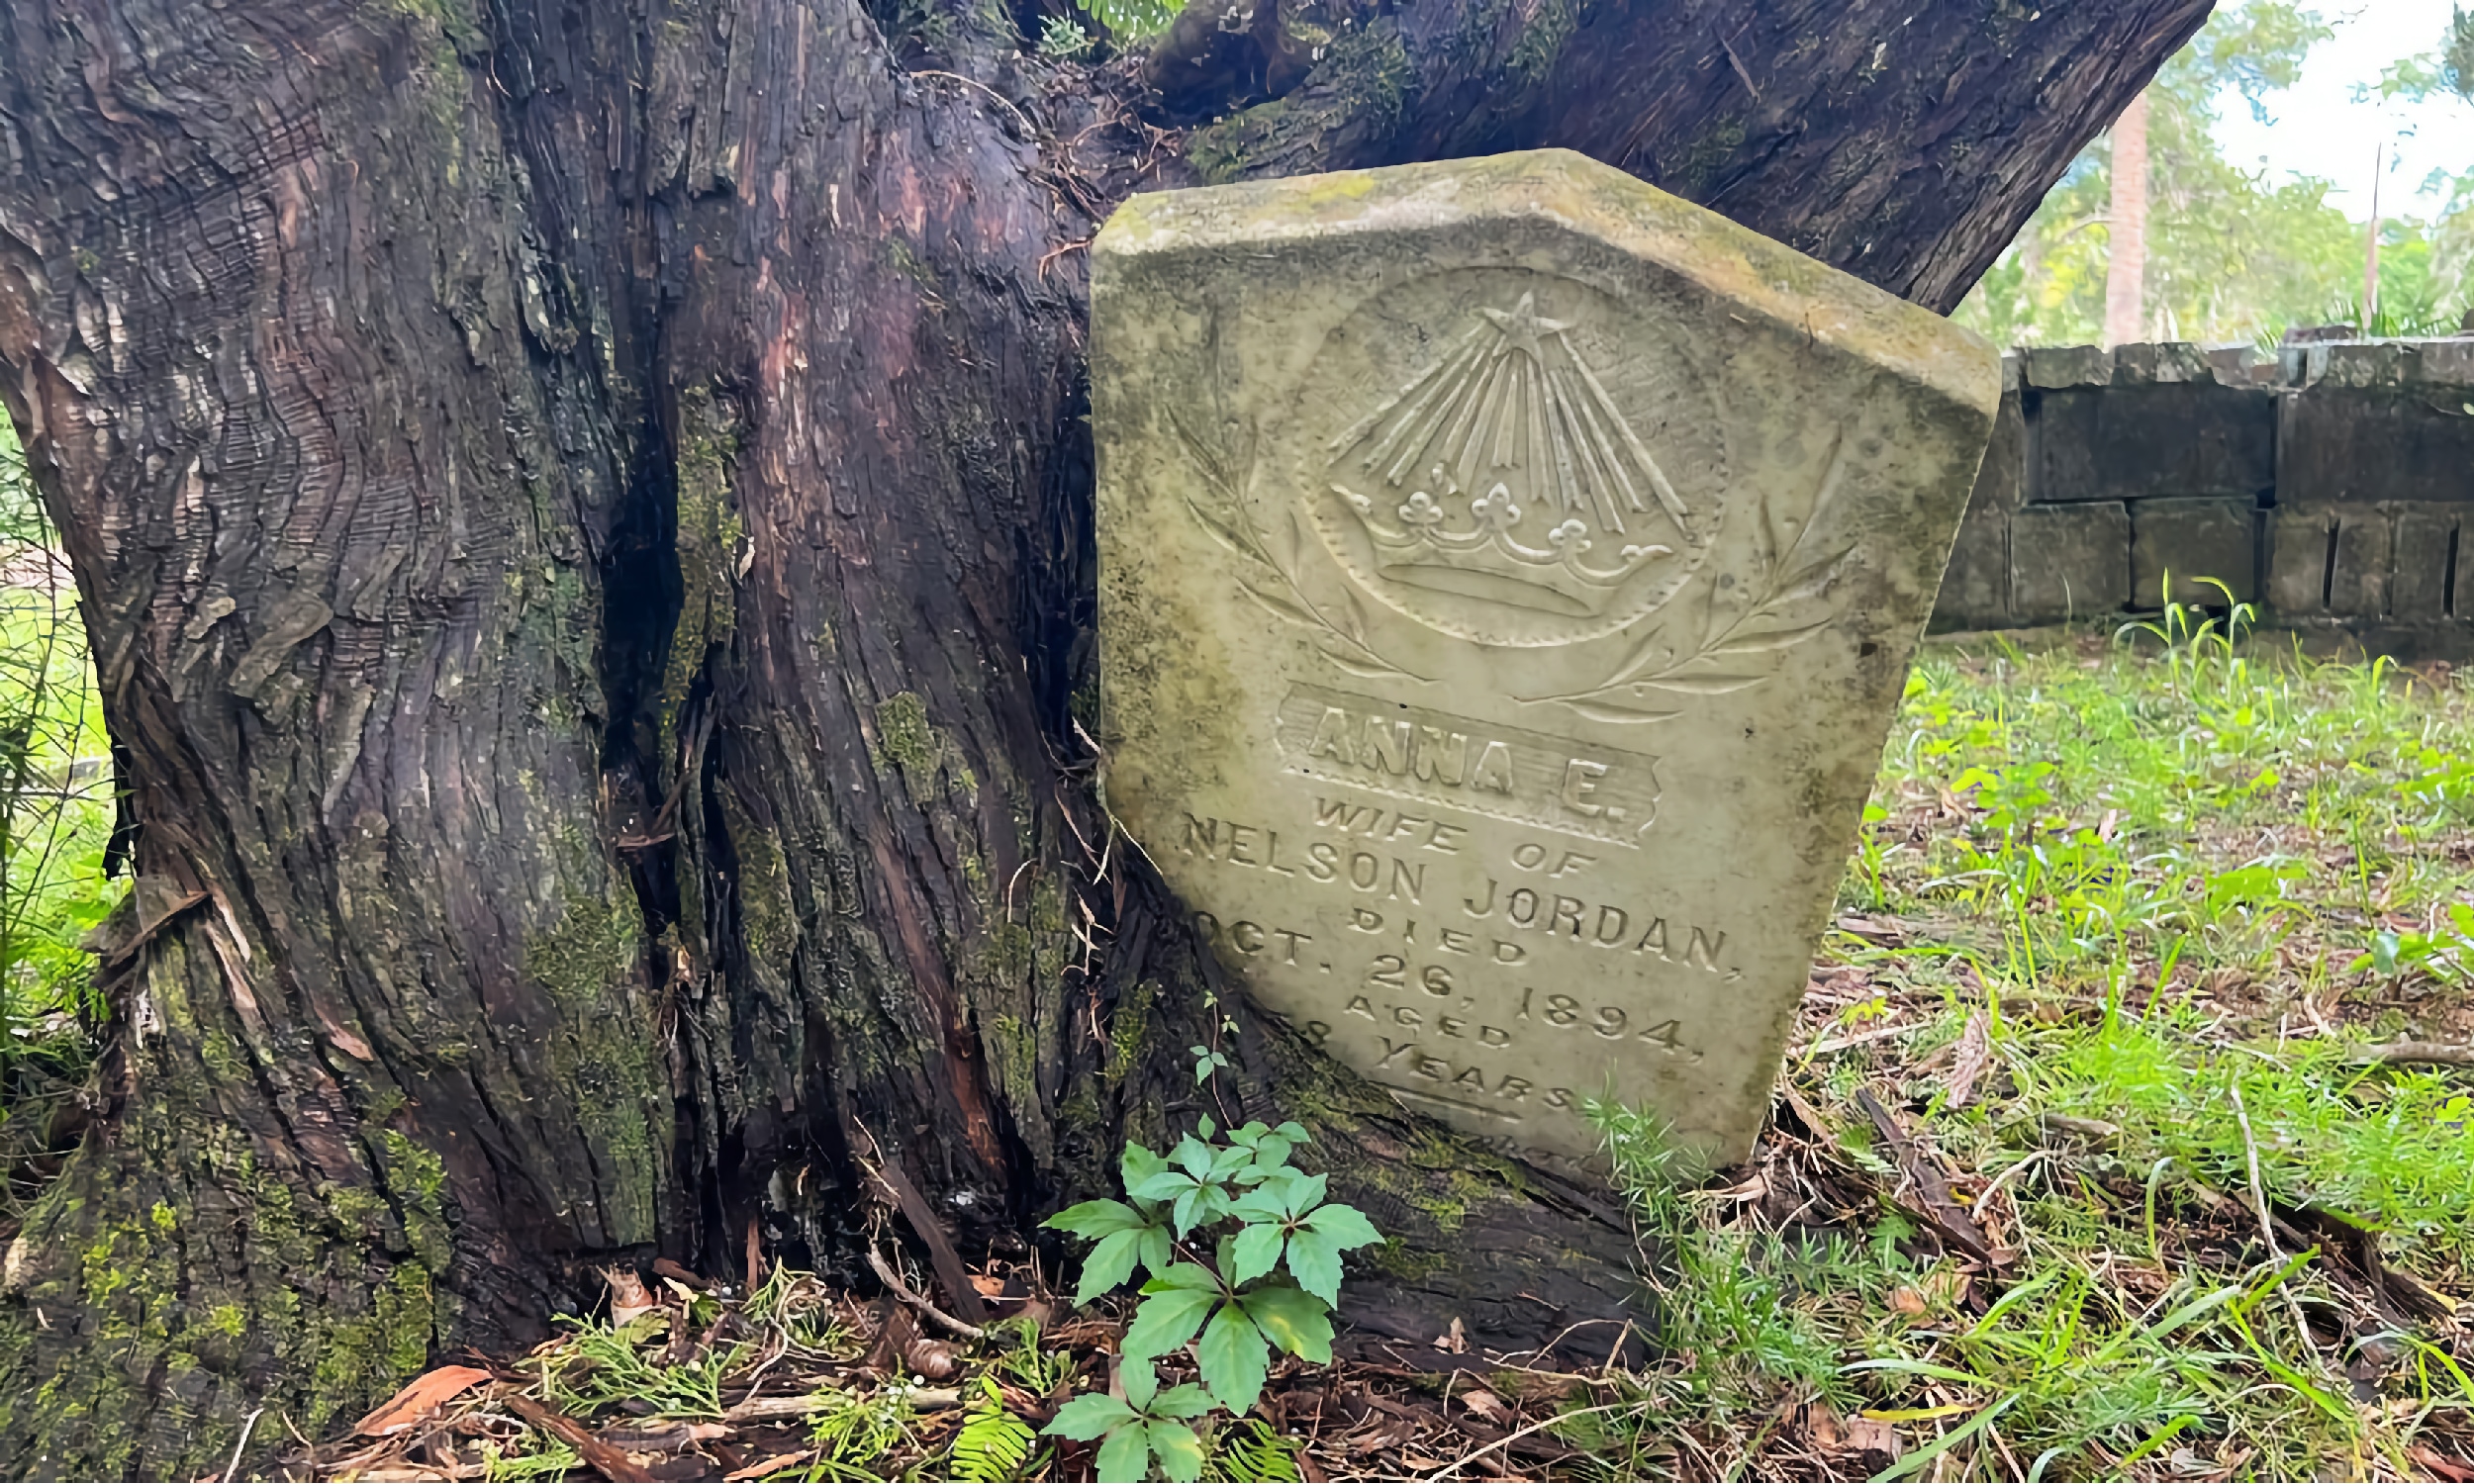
[1158, 1249]
[1140, 1381]
[1300, 1193]
[1186, 1212]
[1234, 1358]
[1296, 1321]
[1294, 1133]
[1088, 1416]
[1139, 1165]
[1163, 1184]
[1167, 1320]
[1258, 1252]
[1185, 1275]
[1346, 1226]
[1314, 1261]
[1230, 1161]
[1194, 1154]
[1188, 1400]
[1257, 1205]
[1180, 1450]
[1270, 1152]
[1125, 1459]
[1110, 1262]
[1096, 1217]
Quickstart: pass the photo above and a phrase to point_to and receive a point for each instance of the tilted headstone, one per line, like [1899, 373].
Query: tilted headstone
[1509, 573]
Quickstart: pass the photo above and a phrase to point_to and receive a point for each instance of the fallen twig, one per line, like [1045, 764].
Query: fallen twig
[610, 1462]
[914, 1208]
[779, 1408]
[1932, 1203]
[772, 1465]
[1030, 132]
[2259, 1192]
[2412, 1054]
[1842, 1043]
[2268, 1221]
[231, 1470]
[1510, 1438]
[884, 1275]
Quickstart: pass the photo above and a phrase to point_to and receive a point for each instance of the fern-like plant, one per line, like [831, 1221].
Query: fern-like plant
[993, 1444]
[1250, 1453]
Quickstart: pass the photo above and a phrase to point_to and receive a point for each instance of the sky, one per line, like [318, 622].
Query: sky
[2317, 128]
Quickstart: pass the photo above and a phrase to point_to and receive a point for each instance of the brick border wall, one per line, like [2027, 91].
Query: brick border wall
[2334, 487]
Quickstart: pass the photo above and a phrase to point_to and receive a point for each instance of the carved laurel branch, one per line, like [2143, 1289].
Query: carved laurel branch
[1738, 648]
[1219, 504]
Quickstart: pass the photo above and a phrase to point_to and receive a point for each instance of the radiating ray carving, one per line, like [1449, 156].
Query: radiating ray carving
[1494, 470]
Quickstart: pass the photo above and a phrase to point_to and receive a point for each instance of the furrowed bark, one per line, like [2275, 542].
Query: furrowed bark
[583, 511]
[333, 460]
[1904, 143]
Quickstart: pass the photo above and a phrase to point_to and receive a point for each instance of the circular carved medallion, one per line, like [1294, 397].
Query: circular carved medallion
[1509, 456]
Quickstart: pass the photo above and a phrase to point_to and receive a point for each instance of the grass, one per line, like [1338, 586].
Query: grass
[2095, 1157]
[2130, 921]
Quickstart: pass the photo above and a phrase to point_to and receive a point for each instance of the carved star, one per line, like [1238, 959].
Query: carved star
[1522, 326]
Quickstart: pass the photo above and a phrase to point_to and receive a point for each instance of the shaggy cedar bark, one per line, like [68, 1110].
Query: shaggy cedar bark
[583, 512]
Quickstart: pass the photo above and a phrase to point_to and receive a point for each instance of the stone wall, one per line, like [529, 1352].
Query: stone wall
[2332, 488]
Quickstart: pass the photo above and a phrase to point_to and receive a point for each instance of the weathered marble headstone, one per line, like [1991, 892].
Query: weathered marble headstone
[1509, 573]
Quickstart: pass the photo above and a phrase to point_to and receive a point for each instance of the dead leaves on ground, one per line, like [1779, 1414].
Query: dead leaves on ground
[417, 1401]
[1377, 1413]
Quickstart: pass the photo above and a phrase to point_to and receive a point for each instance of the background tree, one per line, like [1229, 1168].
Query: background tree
[2126, 227]
[582, 511]
[2229, 254]
[2442, 273]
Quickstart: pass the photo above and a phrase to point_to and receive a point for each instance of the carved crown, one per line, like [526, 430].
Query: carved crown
[1505, 471]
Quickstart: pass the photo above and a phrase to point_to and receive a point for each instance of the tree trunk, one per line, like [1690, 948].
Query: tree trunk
[583, 511]
[2125, 259]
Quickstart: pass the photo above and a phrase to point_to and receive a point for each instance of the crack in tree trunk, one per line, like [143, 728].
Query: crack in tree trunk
[584, 516]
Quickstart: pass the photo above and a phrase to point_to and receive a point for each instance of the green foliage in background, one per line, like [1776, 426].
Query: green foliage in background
[55, 797]
[2232, 255]
[2457, 57]
[1130, 20]
[2450, 68]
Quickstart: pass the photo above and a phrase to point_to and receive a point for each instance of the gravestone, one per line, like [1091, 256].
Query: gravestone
[1509, 573]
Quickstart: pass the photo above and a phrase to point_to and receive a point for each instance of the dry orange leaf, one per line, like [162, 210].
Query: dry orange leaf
[419, 1398]
[1487, 1406]
[772, 1465]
